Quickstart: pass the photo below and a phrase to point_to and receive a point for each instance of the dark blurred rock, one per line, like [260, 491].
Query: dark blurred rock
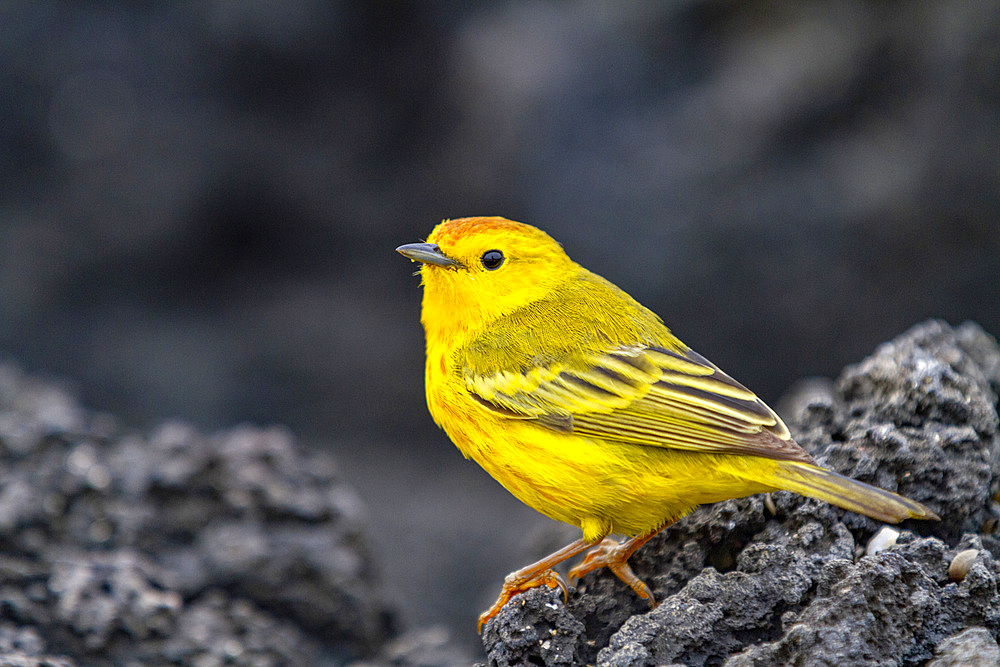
[116, 548]
[740, 585]
[425, 647]
[21, 659]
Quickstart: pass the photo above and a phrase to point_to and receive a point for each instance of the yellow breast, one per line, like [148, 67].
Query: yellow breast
[597, 485]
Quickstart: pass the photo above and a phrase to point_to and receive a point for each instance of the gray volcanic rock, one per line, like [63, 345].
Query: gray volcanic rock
[974, 647]
[237, 548]
[741, 584]
[244, 548]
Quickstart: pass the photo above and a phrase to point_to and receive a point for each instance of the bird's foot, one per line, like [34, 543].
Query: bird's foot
[612, 554]
[516, 583]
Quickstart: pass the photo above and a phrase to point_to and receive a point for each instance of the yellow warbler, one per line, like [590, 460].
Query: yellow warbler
[582, 404]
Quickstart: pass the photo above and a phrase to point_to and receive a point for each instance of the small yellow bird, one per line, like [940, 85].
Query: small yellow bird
[583, 405]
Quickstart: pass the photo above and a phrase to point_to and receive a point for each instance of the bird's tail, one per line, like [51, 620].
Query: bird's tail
[850, 494]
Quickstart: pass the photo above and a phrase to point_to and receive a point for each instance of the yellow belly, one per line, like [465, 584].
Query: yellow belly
[598, 485]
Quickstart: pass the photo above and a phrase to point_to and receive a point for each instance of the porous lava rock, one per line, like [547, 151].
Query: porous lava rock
[755, 582]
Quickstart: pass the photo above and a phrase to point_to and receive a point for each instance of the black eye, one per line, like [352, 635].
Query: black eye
[492, 259]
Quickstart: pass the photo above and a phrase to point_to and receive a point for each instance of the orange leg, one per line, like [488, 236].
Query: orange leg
[536, 574]
[614, 555]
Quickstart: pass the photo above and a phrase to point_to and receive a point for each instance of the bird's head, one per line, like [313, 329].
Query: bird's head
[475, 270]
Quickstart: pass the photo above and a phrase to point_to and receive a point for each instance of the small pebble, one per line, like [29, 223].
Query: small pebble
[961, 564]
[882, 540]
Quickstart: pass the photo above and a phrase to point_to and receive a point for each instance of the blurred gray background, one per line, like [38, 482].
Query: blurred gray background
[199, 204]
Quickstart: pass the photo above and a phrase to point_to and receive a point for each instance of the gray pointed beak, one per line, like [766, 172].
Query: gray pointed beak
[428, 253]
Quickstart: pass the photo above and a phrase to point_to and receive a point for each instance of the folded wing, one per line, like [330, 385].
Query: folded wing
[643, 395]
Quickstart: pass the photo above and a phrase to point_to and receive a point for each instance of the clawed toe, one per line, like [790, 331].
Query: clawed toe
[536, 574]
[608, 553]
[514, 584]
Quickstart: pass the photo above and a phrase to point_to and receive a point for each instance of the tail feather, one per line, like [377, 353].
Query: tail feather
[850, 494]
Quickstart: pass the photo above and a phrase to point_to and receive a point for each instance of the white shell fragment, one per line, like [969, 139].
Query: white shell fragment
[882, 540]
[961, 564]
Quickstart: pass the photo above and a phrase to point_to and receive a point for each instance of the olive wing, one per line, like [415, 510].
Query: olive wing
[643, 395]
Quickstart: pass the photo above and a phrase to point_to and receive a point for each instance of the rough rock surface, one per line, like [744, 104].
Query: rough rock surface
[742, 584]
[974, 647]
[244, 548]
[176, 548]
